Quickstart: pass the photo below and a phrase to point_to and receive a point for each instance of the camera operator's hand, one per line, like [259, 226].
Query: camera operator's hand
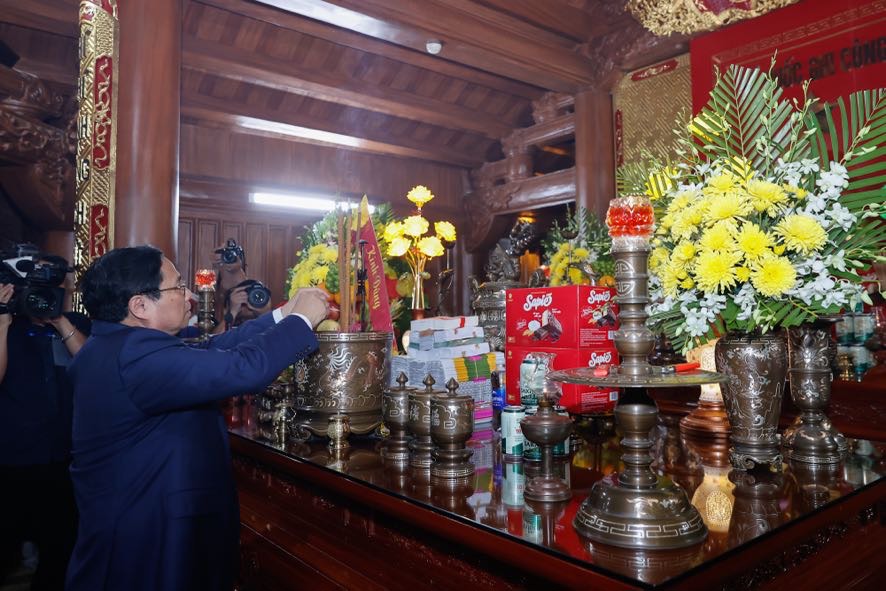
[6, 290]
[239, 297]
[310, 302]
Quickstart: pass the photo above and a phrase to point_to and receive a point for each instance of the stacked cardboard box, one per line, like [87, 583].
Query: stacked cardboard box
[576, 323]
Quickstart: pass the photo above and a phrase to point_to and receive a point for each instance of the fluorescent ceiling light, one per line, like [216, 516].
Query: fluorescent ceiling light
[309, 202]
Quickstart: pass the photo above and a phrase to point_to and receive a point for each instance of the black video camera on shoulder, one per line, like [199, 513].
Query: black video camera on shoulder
[36, 278]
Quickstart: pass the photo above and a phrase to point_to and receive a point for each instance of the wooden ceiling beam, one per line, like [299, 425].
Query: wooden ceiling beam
[229, 62]
[321, 30]
[378, 135]
[472, 35]
[567, 20]
[258, 121]
[51, 17]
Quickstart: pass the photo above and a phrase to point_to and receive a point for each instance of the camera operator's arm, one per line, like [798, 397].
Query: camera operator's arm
[5, 323]
[70, 334]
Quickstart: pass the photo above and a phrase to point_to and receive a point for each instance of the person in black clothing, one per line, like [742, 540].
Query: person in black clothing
[235, 287]
[36, 496]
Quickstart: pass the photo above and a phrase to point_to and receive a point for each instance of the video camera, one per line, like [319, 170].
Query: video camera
[36, 279]
[231, 253]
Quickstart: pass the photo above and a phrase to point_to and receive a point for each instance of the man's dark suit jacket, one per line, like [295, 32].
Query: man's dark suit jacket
[151, 463]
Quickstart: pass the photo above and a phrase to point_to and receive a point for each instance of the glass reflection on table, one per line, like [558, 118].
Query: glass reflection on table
[737, 506]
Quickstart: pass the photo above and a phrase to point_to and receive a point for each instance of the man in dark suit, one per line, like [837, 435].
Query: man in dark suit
[151, 464]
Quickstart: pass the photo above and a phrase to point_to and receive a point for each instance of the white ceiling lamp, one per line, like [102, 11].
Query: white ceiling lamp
[434, 46]
[312, 202]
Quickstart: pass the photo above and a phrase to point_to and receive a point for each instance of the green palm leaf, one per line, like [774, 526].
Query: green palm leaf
[745, 108]
[858, 142]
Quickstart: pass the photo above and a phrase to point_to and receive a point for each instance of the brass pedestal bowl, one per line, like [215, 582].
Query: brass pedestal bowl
[347, 375]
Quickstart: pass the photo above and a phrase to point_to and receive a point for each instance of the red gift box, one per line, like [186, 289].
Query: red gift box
[590, 398]
[566, 317]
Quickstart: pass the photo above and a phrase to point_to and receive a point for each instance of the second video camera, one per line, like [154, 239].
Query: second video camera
[36, 280]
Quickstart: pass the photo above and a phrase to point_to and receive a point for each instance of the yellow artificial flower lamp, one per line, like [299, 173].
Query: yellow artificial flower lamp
[410, 239]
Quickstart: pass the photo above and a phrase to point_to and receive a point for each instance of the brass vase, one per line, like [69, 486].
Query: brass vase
[546, 428]
[346, 375]
[812, 438]
[755, 366]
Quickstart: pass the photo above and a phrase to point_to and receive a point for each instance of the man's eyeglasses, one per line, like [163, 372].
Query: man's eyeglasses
[182, 287]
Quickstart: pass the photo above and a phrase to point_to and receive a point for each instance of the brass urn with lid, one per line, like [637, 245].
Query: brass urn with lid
[395, 414]
[452, 424]
[419, 424]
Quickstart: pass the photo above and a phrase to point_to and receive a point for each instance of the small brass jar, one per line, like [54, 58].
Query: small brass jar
[419, 424]
[452, 424]
[395, 413]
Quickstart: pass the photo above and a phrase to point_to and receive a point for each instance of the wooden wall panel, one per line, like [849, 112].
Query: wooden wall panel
[277, 256]
[184, 261]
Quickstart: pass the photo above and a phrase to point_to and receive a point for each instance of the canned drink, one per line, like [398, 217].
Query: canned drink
[863, 327]
[562, 448]
[845, 330]
[532, 526]
[531, 451]
[513, 482]
[512, 440]
[861, 358]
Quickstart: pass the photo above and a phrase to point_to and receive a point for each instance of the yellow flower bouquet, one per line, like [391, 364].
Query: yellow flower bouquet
[767, 220]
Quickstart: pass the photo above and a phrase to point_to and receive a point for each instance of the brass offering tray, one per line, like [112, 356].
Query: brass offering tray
[655, 379]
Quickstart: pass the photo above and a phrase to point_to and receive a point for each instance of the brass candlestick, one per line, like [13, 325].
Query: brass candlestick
[395, 413]
[452, 424]
[546, 429]
[419, 424]
[204, 281]
[637, 511]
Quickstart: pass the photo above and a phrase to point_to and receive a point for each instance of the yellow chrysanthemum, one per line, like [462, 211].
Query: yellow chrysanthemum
[686, 223]
[687, 283]
[318, 274]
[773, 276]
[753, 242]
[743, 274]
[684, 251]
[715, 271]
[419, 195]
[766, 196]
[670, 280]
[720, 237]
[801, 233]
[727, 206]
[398, 246]
[445, 230]
[797, 191]
[581, 253]
[682, 200]
[658, 257]
[415, 225]
[430, 246]
[393, 230]
[721, 183]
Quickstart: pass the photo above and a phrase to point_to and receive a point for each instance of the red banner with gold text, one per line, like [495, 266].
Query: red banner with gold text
[838, 45]
[376, 287]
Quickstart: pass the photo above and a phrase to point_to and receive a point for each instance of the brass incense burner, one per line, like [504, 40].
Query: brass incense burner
[452, 424]
[546, 429]
[395, 414]
[419, 424]
[345, 376]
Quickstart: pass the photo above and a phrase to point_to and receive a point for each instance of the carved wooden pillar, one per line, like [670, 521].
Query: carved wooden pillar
[148, 124]
[594, 151]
